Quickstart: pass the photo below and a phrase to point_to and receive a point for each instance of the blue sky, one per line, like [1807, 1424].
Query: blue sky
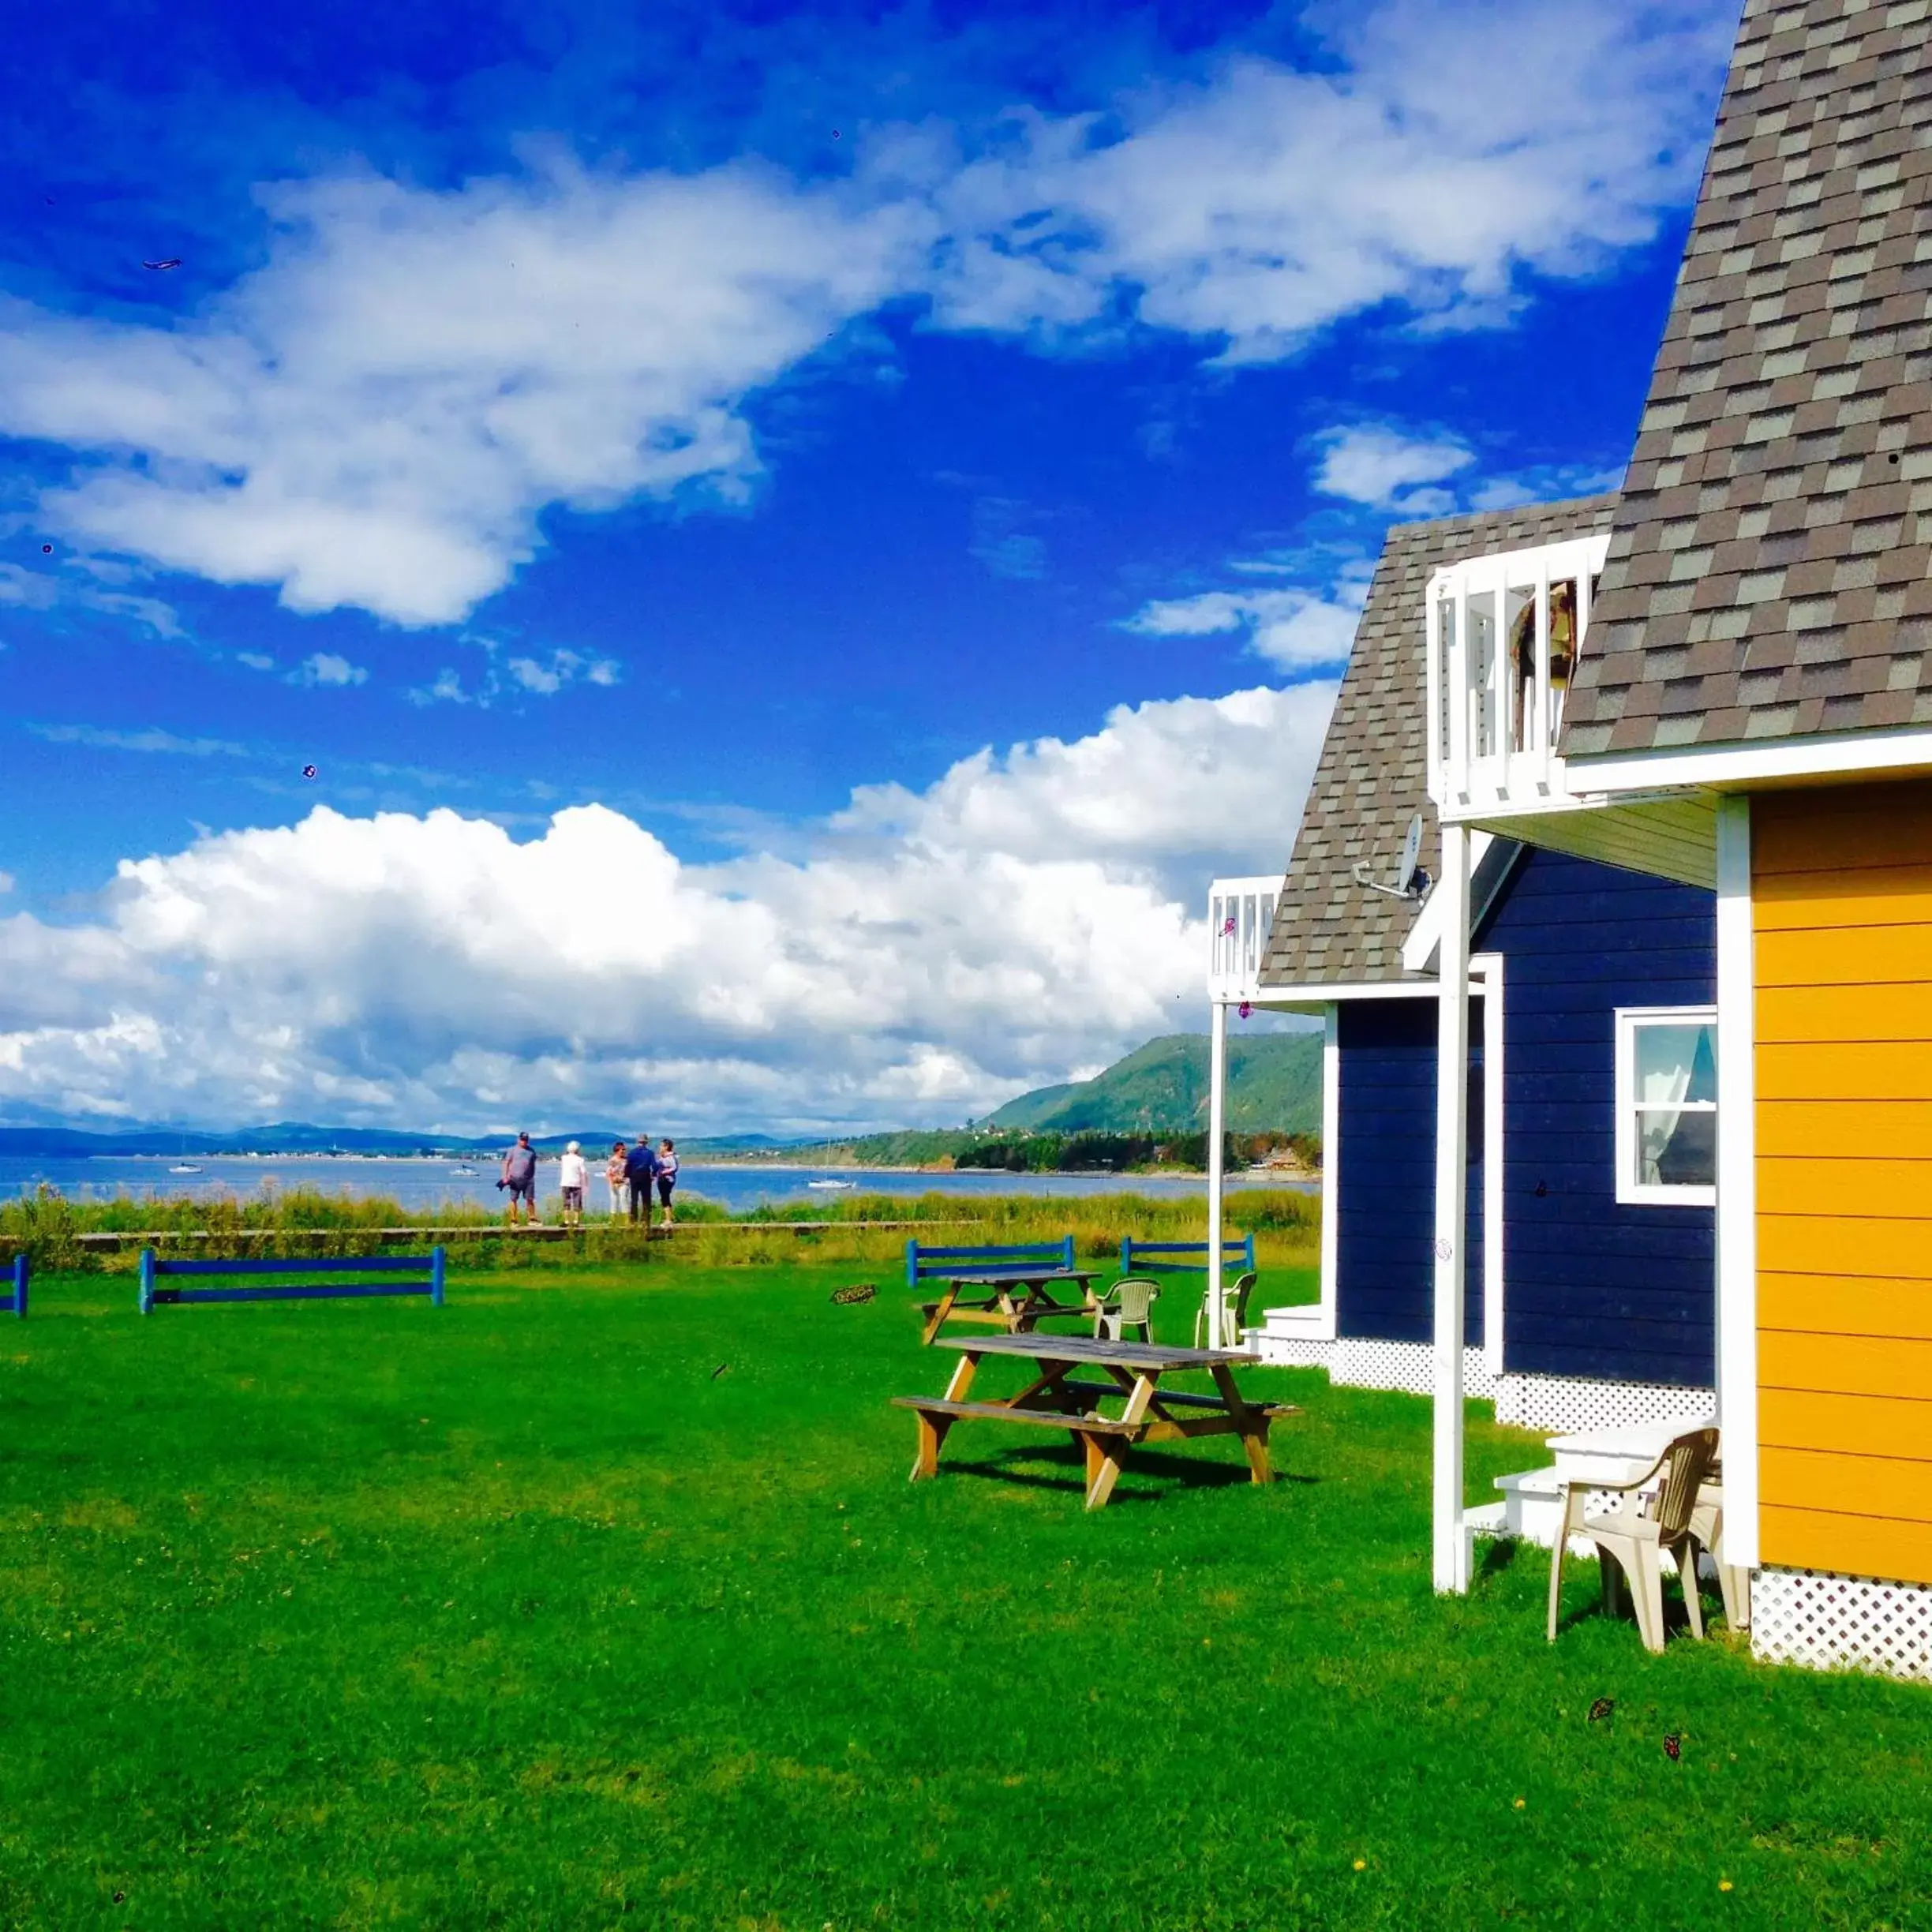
[794, 542]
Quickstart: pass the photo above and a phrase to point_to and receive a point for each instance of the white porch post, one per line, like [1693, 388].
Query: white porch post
[1487, 971]
[1331, 1170]
[1450, 1543]
[1217, 1099]
[1737, 1182]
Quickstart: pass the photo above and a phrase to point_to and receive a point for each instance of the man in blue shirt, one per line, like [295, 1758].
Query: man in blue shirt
[640, 1170]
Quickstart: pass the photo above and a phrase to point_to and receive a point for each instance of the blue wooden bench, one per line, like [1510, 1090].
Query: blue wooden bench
[154, 1270]
[15, 1299]
[922, 1264]
[1018, 1278]
[1185, 1257]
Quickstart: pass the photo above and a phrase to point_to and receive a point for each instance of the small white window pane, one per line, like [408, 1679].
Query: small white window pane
[1676, 1063]
[1676, 1149]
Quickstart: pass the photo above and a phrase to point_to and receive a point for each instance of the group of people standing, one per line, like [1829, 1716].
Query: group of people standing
[631, 1173]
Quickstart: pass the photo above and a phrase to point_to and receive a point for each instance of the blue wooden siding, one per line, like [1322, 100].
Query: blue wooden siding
[1593, 1288]
[1385, 1230]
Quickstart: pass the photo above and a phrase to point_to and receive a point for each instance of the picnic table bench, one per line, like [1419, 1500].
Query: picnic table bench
[1054, 1400]
[1012, 1299]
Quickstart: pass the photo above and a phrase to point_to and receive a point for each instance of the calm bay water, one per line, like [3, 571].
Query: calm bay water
[421, 1184]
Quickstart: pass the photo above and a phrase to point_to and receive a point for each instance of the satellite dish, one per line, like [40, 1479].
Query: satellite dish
[1411, 881]
[1412, 855]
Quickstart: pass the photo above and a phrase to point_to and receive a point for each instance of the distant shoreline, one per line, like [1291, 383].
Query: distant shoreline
[701, 1164]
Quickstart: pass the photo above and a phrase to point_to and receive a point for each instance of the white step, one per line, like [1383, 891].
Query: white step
[1291, 1337]
[1530, 1511]
[1300, 1323]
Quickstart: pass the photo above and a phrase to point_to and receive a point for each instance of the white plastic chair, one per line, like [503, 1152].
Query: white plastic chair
[1733, 1579]
[1632, 1540]
[1128, 1305]
[1235, 1298]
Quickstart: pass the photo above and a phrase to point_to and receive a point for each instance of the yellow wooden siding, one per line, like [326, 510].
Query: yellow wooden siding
[1857, 1010]
[1889, 1488]
[1842, 1364]
[1852, 1424]
[1842, 920]
[1801, 1539]
[1792, 1303]
[1872, 897]
[1895, 1189]
[1893, 955]
[1810, 1130]
[1842, 1070]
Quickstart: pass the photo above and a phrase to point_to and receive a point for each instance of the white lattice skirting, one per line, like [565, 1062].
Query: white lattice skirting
[1842, 1622]
[1290, 1351]
[1570, 1403]
[1410, 1366]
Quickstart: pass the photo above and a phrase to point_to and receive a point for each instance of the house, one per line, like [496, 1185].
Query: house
[1749, 710]
[1592, 1296]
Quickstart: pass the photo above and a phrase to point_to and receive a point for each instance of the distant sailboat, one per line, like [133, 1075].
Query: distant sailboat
[830, 1187]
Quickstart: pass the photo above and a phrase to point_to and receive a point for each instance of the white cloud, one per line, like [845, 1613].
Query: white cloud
[522, 676]
[380, 413]
[1029, 913]
[1452, 149]
[377, 417]
[1171, 789]
[327, 667]
[255, 661]
[43, 591]
[95, 739]
[1543, 484]
[565, 667]
[1384, 466]
[1381, 466]
[1295, 629]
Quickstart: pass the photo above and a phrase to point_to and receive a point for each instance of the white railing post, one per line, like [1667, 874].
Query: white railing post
[1450, 1544]
[1502, 721]
[1432, 621]
[1581, 619]
[1217, 1096]
[1737, 1182]
[1459, 694]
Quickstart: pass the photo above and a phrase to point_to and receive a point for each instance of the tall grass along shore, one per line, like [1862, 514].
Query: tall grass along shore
[56, 1233]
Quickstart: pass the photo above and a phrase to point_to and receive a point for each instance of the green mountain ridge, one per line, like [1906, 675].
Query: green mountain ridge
[1275, 1085]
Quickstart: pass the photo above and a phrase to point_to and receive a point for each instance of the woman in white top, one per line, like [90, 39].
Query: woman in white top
[667, 1177]
[570, 1177]
[617, 1180]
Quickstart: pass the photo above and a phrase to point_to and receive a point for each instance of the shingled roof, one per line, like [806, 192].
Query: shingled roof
[1768, 577]
[1372, 775]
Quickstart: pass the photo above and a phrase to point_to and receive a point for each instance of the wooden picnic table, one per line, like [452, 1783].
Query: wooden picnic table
[1054, 1399]
[1011, 1300]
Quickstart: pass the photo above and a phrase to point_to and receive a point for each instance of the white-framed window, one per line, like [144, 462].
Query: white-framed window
[1667, 1105]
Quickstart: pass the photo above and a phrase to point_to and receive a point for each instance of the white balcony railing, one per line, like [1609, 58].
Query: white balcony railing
[1505, 635]
[1240, 913]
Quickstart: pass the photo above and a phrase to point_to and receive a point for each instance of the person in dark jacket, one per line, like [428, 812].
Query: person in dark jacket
[641, 1170]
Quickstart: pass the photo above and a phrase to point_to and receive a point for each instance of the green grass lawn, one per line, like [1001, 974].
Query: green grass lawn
[518, 1615]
